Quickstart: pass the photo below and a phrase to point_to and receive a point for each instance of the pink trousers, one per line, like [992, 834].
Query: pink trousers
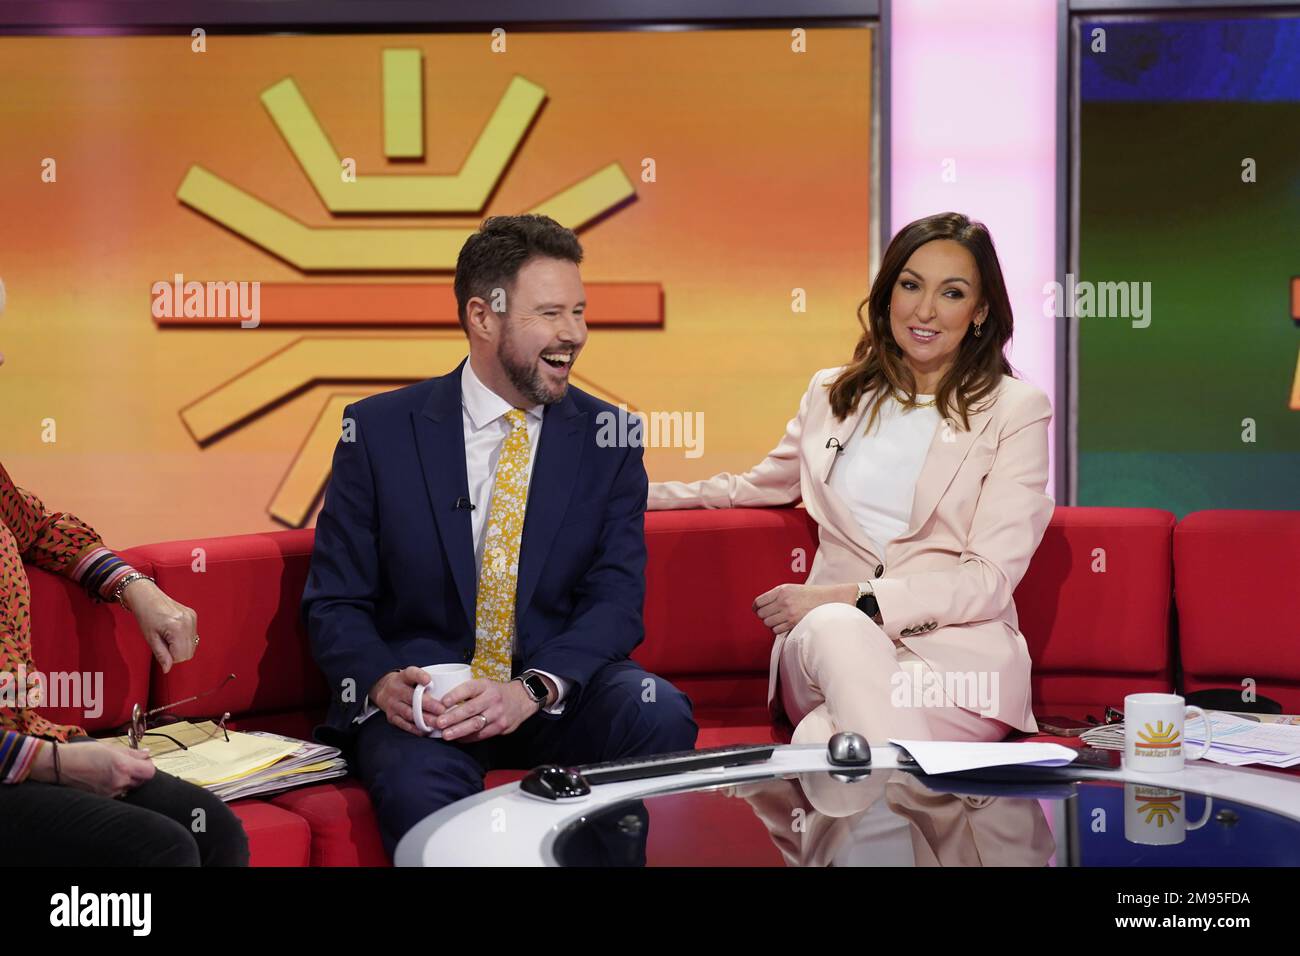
[841, 671]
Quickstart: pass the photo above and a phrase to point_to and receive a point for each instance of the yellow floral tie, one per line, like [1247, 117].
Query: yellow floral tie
[494, 615]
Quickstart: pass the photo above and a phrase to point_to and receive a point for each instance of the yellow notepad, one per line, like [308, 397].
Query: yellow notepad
[212, 759]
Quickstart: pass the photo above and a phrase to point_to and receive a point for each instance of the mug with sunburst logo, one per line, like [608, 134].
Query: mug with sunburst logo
[1157, 816]
[1153, 732]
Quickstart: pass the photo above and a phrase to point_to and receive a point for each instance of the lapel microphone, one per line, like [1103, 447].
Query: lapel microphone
[463, 504]
[835, 443]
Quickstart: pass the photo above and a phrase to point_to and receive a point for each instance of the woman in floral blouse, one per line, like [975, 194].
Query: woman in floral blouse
[66, 799]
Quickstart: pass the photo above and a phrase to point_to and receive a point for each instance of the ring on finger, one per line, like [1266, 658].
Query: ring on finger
[484, 720]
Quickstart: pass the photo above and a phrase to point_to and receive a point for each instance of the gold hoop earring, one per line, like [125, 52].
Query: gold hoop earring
[977, 329]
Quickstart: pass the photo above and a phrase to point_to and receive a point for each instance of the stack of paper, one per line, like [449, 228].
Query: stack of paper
[1271, 741]
[309, 762]
[938, 756]
[255, 763]
[1238, 741]
[1105, 737]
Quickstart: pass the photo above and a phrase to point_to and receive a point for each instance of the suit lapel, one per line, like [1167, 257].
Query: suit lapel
[839, 515]
[555, 472]
[841, 433]
[948, 449]
[440, 441]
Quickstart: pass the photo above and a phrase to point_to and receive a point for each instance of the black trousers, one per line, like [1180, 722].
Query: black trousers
[163, 822]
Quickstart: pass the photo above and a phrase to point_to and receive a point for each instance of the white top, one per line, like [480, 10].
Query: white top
[483, 419]
[876, 474]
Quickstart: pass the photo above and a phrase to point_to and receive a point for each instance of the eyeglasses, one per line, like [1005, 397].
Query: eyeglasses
[138, 729]
[1112, 715]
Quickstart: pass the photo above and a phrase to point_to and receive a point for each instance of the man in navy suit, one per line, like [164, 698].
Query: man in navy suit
[500, 455]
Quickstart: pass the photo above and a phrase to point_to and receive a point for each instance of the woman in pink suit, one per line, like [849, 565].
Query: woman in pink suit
[924, 463]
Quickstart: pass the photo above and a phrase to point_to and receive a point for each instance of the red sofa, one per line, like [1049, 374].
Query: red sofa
[1095, 606]
[1238, 607]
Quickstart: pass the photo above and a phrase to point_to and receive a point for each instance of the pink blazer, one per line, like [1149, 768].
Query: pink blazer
[945, 585]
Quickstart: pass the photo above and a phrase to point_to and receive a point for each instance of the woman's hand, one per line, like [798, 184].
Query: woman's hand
[105, 769]
[170, 628]
[786, 604]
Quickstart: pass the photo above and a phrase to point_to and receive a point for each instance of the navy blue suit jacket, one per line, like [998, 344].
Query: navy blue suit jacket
[393, 580]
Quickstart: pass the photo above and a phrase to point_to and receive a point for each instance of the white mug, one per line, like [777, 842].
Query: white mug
[446, 677]
[1154, 816]
[1153, 732]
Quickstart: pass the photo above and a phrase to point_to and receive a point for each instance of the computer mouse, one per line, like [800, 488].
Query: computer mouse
[847, 749]
[555, 783]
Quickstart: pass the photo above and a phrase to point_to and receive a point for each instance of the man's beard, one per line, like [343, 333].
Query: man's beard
[526, 377]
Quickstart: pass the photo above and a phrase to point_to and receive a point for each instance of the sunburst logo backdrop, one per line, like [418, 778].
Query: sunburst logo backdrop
[208, 253]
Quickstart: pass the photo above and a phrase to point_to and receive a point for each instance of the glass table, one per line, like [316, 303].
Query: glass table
[899, 817]
[795, 809]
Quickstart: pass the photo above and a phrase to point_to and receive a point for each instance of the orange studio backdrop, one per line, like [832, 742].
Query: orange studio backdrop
[209, 253]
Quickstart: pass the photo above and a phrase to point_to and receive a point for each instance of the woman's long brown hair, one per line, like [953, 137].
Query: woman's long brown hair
[979, 364]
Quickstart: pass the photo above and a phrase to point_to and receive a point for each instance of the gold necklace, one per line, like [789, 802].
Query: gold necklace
[917, 404]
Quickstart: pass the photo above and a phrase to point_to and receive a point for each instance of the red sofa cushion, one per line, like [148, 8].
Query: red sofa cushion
[704, 570]
[276, 837]
[344, 831]
[1237, 605]
[1094, 607]
[73, 634]
[247, 598]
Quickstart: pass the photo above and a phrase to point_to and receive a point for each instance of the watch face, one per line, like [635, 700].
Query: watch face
[536, 686]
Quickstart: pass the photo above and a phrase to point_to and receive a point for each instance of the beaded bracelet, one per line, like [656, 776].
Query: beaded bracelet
[128, 579]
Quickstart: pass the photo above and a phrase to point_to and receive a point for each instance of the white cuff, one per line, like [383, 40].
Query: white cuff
[366, 712]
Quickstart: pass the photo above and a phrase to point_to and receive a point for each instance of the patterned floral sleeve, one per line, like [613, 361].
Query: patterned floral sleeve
[59, 542]
[17, 753]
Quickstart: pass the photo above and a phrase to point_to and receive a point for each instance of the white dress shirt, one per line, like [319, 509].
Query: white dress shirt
[483, 418]
[876, 475]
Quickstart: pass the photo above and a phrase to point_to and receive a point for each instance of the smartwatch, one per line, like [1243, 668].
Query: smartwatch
[866, 602]
[535, 686]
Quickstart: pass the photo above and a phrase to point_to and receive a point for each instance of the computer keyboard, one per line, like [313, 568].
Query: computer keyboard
[682, 761]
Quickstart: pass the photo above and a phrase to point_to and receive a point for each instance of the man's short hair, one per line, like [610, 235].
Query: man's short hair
[492, 257]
